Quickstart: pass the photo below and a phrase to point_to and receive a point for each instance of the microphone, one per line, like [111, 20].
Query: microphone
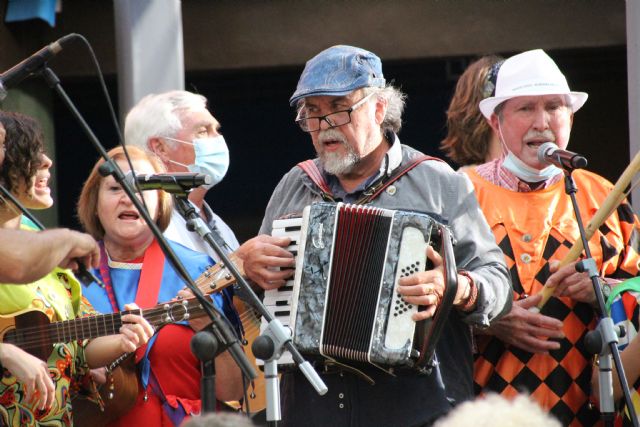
[21, 71]
[177, 182]
[550, 154]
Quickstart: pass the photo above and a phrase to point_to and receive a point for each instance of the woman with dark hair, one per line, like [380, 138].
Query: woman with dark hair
[133, 269]
[35, 392]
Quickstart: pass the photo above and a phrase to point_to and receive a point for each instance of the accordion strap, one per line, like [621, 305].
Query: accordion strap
[311, 169]
[380, 185]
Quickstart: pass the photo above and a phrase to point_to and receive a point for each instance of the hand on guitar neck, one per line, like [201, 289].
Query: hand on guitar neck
[119, 380]
[134, 332]
[32, 331]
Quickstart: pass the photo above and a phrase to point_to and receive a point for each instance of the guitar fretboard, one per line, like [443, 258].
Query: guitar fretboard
[100, 325]
[37, 331]
[88, 327]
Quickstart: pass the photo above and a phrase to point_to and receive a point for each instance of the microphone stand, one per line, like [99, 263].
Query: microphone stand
[276, 338]
[221, 329]
[205, 347]
[603, 340]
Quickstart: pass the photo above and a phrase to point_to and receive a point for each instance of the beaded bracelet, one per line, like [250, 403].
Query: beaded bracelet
[473, 292]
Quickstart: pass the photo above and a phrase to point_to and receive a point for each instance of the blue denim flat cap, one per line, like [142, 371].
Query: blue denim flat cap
[337, 71]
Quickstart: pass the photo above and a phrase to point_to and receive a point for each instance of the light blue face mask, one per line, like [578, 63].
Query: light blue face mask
[522, 170]
[526, 172]
[212, 158]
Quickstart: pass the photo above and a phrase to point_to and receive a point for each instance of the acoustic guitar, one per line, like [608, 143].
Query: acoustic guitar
[31, 331]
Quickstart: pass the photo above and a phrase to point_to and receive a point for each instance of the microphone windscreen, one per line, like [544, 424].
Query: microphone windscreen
[544, 149]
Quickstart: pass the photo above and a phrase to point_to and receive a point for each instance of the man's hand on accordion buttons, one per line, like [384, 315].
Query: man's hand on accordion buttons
[424, 288]
[266, 260]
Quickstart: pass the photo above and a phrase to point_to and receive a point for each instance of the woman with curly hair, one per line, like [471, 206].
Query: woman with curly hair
[36, 392]
[24, 154]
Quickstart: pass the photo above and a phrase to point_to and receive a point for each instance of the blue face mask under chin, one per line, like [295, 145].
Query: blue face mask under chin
[211, 158]
[525, 172]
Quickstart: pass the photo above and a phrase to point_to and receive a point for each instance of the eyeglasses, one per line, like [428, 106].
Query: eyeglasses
[335, 119]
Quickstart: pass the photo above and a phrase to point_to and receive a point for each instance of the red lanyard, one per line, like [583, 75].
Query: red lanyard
[150, 277]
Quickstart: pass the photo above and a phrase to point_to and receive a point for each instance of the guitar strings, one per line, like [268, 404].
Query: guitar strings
[92, 326]
[95, 323]
[31, 336]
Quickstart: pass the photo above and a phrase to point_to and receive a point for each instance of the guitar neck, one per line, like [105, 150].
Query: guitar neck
[214, 279]
[100, 325]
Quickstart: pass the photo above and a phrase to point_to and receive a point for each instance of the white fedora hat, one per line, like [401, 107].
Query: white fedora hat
[530, 73]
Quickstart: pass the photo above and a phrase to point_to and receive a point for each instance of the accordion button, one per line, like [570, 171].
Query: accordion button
[526, 258]
[391, 190]
[526, 238]
[341, 396]
[341, 406]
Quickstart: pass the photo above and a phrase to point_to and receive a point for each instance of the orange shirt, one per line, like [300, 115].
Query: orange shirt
[532, 229]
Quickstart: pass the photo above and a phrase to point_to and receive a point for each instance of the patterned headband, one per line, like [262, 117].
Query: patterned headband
[490, 82]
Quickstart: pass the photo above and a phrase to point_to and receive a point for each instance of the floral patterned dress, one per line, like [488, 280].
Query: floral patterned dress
[58, 296]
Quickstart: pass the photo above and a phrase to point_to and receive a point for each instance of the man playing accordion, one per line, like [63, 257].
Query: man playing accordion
[353, 117]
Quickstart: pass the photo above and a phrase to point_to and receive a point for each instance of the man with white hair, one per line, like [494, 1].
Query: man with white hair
[533, 221]
[180, 130]
[352, 116]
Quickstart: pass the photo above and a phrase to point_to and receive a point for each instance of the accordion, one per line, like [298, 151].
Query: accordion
[342, 304]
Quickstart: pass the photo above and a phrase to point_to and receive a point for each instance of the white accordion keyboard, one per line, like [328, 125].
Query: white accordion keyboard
[278, 301]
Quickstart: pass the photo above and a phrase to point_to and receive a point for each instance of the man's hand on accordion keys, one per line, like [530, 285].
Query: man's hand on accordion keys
[266, 261]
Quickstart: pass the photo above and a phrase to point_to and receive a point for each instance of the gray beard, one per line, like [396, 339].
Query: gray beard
[338, 164]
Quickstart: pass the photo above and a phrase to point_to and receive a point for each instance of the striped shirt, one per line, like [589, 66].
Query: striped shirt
[497, 174]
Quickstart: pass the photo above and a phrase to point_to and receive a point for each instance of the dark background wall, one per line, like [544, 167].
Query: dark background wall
[245, 57]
